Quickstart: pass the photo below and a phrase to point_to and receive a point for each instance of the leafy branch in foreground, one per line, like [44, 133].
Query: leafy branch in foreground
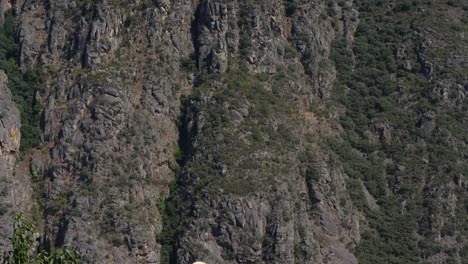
[23, 247]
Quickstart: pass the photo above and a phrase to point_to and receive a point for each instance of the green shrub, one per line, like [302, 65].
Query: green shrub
[23, 247]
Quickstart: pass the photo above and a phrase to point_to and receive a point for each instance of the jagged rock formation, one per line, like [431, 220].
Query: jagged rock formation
[254, 109]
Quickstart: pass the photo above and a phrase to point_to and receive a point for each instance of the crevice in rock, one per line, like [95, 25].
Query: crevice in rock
[170, 208]
[195, 34]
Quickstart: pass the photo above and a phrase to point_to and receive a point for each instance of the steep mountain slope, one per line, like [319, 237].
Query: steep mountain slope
[110, 100]
[403, 85]
[290, 131]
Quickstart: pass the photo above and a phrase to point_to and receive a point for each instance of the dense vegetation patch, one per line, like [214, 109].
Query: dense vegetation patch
[402, 172]
[171, 221]
[23, 86]
[168, 207]
[237, 146]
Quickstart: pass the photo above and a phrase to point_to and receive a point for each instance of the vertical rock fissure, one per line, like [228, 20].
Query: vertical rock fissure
[170, 208]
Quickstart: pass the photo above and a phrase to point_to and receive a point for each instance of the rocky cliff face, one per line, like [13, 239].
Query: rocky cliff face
[109, 122]
[274, 130]
[249, 194]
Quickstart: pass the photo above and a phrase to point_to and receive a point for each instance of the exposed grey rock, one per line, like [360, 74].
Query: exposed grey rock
[427, 122]
[213, 24]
